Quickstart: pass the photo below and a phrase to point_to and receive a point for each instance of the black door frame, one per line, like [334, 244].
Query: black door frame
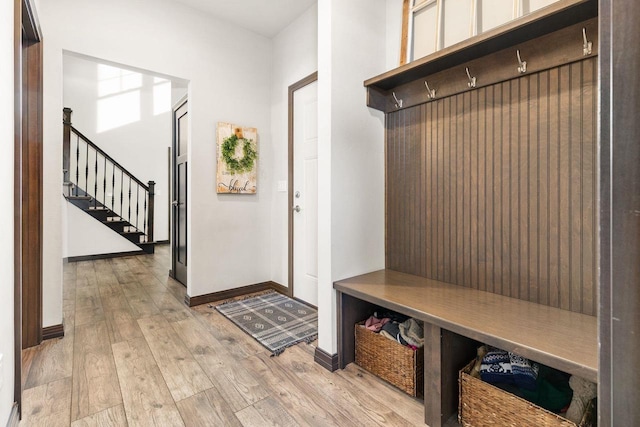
[174, 182]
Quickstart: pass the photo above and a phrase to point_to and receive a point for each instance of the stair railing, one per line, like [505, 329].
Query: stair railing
[94, 173]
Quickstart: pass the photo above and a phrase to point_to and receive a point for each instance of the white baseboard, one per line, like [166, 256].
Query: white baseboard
[14, 417]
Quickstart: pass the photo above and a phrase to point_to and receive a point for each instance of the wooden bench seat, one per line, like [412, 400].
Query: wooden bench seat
[558, 338]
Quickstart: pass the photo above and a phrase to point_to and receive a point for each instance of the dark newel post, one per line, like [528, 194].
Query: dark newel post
[66, 143]
[152, 193]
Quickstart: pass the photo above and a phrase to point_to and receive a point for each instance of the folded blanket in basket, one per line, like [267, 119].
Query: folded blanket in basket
[412, 332]
[391, 330]
[499, 366]
[524, 372]
[374, 324]
[496, 368]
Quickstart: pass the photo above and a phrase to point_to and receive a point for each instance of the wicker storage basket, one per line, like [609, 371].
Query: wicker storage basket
[390, 360]
[482, 404]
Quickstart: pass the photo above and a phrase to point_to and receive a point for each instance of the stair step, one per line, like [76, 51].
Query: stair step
[101, 214]
[133, 236]
[109, 218]
[147, 247]
[82, 202]
[116, 225]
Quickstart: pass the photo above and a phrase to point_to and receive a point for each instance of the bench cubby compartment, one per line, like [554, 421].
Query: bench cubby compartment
[483, 405]
[387, 359]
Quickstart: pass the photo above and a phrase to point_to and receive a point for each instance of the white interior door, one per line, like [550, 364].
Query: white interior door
[305, 189]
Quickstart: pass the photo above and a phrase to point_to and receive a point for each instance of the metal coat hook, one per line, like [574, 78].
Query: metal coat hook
[472, 80]
[522, 65]
[586, 44]
[431, 93]
[398, 101]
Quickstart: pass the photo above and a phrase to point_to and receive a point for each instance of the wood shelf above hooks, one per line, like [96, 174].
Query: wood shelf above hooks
[528, 30]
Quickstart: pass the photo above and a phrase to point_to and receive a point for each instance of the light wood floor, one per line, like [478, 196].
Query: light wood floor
[134, 354]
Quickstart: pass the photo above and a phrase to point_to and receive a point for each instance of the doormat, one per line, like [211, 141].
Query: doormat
[274, 320]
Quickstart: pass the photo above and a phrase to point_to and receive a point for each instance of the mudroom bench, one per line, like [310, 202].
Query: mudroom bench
[456, 319]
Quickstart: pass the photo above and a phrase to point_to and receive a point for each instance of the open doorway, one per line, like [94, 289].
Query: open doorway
[125, 113]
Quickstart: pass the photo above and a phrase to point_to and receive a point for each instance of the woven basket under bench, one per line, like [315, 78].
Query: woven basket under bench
[483, 405]
[390, 360]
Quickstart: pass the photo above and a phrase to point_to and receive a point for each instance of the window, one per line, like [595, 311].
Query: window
[437, 24]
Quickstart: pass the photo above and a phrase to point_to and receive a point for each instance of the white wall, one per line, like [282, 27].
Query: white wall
[229, 75]
[295, 56]
[6, 214]
[178, 91]
[350, 150]
[136, 136]
[394, 33]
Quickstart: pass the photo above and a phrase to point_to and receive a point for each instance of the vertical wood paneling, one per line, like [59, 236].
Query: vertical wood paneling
[524, 198]
[400, 182]
[589, 114]
[489, 196]
[446, 187]
[428, 182]
[440, 189]
[505, 162]
[494, 188]
[564, 168]
[459, 176]
[399, 177]
[388, 163]
[473, 187]
[497, 189]
[433, 185]
[533, 181]
[514, 194]
[466, 190]
[413, 145]
[481, 199]
[543, 188]
[423, 192]
[453, 216]
[554, 185]
[575, 186]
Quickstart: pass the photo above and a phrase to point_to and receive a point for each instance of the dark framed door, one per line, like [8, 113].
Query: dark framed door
[179, 255]
[27, 185]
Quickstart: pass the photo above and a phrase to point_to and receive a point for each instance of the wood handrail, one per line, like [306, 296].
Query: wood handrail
[148, 190]
[108, 157]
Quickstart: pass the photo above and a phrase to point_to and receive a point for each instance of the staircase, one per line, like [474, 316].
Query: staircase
[102, 188]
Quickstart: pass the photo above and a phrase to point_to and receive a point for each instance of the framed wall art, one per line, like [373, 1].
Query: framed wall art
[237, 152]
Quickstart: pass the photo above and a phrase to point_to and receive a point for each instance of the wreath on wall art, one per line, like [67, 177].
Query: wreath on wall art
[234, 165]
[237, 159]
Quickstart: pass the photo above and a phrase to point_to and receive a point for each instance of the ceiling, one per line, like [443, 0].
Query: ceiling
[265, 17]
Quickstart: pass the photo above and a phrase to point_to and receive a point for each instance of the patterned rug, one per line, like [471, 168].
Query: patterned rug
[274, 320]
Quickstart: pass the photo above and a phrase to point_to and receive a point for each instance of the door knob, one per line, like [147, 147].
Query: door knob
[174, 203]
[296, 208]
